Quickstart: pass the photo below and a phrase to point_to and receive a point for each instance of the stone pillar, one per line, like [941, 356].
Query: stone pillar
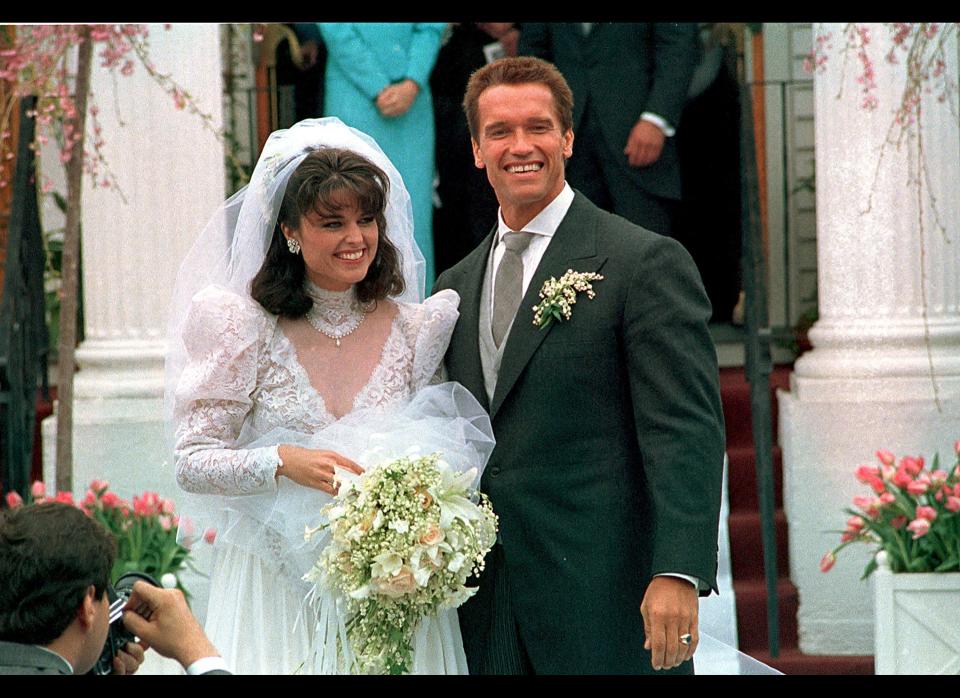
[171, 171]
[885, 368]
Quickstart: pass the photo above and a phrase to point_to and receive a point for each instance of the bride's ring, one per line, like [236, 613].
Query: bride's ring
[686, 639]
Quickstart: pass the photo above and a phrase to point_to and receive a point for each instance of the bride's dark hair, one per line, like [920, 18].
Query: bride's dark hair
[314, 186]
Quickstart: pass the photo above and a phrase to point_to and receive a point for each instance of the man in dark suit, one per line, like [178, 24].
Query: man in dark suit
[629, 83]
[55, 564]
[607, 469]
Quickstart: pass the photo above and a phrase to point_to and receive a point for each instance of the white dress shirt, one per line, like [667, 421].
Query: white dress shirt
[542, 227]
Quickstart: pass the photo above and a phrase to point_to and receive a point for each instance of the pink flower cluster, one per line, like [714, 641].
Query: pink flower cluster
[39, 62]
[909, 505]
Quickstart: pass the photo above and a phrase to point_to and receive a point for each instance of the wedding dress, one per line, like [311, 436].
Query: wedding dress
[244, 378]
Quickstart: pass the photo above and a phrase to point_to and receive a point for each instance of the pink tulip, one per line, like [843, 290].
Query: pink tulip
[887, 471]
[848, 536]
[210, 535]
[110, 499]
[166, 506]
[864, 473]
[855, 523]
[887, 498]
[918, 487]
[90, 499]
[902, 478]
[956, 447]
[864, 503]
[928, 513]
[938, 477]
[99, 486]
[898, 521]
[38, 490]
[14, 500]
[165, 523]
[953, 504]
[912, 465]
[827, 561]
[877, 485]
[64, 498]
[920, 527]
[885, 457]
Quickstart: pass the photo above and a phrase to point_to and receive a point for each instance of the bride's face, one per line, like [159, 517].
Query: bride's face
[338, 245]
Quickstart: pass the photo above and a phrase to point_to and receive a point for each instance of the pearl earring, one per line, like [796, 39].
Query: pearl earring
[293, 246]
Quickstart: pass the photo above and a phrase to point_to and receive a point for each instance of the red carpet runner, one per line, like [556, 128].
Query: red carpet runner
[746, 545]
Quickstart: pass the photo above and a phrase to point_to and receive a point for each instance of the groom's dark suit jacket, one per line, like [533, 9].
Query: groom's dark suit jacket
[610, 442]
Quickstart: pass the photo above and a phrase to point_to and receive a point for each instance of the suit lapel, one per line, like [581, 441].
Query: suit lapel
[465, 342]
[574, 246]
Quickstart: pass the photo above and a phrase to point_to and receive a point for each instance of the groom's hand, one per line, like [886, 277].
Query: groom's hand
[669, 610]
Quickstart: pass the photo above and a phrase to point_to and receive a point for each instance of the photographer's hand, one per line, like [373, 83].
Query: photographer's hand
[128, 660]
[162, 619]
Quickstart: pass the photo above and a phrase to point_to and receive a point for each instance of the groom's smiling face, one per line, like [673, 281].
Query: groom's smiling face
[522, 147]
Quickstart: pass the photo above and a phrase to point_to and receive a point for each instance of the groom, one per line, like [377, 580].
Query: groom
[606, 473]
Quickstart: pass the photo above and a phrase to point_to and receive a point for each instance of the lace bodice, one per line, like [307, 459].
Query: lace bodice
[243, 377]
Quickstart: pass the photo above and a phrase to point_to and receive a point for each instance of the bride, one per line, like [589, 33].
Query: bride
[300, 312]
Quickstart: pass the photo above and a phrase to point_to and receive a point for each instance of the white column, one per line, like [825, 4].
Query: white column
[171, 171]
[885, 368]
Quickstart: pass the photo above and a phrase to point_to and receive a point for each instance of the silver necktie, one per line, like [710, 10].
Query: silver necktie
[508, 284]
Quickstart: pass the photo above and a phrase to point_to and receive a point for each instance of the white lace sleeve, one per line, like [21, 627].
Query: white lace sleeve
[433, 337]
[223, 335]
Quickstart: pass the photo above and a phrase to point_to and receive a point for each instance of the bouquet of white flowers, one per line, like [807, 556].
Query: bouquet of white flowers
[406, 535]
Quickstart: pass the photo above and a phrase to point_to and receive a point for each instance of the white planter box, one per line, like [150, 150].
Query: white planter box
[915, 616]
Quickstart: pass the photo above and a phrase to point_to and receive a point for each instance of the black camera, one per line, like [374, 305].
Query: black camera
[118, 595]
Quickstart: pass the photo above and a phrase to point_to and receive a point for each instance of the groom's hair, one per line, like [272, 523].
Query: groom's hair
[327, 180]
[520, 70]
[50, 554]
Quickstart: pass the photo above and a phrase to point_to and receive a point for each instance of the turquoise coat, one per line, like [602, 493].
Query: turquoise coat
[362, 59]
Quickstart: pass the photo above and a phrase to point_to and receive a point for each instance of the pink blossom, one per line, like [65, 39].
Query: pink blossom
[827, 562]
[864, 473]
[918, 486]
[855, 523]
[919, 527]
[956, 447]
[14, 500]
[938, 477]
[928, 513]
[166, 506]
[64, 498]
[953, 504]
[90, 499]
[902, 478]
[877, 485]
[110, 500]
[898, 521]
[887, 498]
[912, 465]
[885, 457]
[210, 535]
[166, 523]
[38, 489]
[848, 536]
[99, 486]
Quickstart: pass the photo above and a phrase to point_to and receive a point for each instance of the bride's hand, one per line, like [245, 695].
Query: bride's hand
[312, 468]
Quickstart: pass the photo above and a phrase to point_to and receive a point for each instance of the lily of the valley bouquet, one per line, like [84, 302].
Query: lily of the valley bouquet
[405, 537]
[913, 515]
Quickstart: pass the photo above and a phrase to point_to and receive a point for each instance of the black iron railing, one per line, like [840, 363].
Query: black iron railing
[24, 342]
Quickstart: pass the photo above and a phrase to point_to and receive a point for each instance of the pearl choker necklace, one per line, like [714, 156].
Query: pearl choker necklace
[334, 314]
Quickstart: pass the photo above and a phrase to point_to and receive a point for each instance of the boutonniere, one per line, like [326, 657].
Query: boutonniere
[560, 295]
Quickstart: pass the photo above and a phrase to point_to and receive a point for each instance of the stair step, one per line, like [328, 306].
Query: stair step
[752, 614]
[746, 544]
[793, 662]
[742, 478]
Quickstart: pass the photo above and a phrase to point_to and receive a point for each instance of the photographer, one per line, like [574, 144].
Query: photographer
[54, 608]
